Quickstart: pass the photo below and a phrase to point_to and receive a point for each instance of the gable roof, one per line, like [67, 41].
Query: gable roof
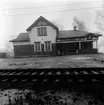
[73, 33]
[41, 17]
[22, 37]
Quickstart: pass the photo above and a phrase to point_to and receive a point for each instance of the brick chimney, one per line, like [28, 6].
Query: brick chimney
[75, 28]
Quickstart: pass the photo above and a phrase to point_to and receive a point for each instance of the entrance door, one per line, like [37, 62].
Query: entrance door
[42, 47]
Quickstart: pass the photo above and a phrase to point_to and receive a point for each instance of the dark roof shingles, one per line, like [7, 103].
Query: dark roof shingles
[72, 33]
[21, 37]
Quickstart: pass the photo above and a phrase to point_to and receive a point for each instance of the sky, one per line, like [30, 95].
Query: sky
[17, 15]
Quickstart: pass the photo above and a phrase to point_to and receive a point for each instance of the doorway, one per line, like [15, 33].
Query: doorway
[67, 48]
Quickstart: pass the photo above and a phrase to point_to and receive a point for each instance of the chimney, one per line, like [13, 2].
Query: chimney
[75, 28]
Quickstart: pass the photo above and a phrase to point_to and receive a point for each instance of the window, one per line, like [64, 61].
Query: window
[94, 38]
[47, 46]
[77, 39]
[37, 46]
[42, 31]
[89, 37]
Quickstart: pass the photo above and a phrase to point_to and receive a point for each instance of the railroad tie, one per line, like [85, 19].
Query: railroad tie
[95, 72]
[34, 80]
[34, 73]
[69, 80]
[76, 73]
[14, 80]
[4, 80]
[57, 80]
[50, 73]
[42, 73]
[67, 72]
[84, 72]
[58, 73]
[24, 80]
[12, 73]
[27, 73]
[45, 80]
[19, 73]
[102, 71]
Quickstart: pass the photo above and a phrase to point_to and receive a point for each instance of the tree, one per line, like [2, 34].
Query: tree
[100, 19]
[100, 25]
[80, 24]
[9, 49]
[9, 46]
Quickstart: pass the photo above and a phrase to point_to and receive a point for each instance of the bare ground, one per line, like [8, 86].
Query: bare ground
[68, 61]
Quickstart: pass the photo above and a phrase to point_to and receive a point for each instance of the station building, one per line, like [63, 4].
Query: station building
[43, 38]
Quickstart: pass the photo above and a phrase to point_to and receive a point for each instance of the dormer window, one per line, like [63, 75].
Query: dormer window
[42, 31]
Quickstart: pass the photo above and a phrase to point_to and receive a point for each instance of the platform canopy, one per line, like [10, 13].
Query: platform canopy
[75, 34]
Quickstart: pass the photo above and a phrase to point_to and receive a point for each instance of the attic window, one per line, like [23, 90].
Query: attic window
[42, 31]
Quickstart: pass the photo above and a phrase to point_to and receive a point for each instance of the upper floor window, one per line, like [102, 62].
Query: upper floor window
[47, 45]
[42, 31]
[37, 46]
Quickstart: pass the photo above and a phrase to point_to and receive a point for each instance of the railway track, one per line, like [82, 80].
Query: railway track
[41, 74]
[40, 78]
[42, 83]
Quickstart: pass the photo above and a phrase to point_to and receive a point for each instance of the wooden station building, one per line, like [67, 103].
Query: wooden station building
[44, 38]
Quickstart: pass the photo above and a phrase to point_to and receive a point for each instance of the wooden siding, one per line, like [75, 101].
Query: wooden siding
[22, 50]
[88, 51]
[51, 35]
[41, 23]
[21, 43]
[2, 55]
[28, 50]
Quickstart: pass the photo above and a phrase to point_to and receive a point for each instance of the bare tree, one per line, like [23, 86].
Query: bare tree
[9, 46]
[80, 24]
[100, 25]
[100, 19]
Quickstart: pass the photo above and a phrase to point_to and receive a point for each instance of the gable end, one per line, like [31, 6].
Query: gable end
[45, 22]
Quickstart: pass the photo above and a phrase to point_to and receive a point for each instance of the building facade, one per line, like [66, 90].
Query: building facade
[44, 38]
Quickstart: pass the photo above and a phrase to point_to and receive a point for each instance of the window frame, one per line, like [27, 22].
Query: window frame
[45, 49]
[37, 47]
[42, 31]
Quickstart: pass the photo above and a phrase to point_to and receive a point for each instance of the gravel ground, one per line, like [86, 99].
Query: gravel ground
[68, 61]
[49, 97]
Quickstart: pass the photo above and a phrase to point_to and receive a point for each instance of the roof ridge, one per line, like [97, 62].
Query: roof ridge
[67, 30]
[33, 24]
[24, 32]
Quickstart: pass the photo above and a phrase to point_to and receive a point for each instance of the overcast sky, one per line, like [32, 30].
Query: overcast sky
[17, 15]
